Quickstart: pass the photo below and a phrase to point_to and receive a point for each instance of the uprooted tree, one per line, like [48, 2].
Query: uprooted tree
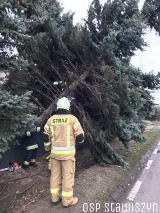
[89, 63]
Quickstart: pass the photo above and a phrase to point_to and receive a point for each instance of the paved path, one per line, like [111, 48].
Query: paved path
[145, 194]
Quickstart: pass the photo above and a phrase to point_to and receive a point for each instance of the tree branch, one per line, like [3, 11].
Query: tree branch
[48, 112]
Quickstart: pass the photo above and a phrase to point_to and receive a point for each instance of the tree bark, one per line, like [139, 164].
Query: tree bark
[48, 112]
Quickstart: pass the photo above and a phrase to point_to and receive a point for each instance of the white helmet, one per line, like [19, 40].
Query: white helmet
[63, 103]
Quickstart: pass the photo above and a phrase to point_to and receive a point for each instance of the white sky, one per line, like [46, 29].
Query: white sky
[79, 7]
[147, 61]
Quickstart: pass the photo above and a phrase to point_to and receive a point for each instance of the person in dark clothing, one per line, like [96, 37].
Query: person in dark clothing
[31, 145]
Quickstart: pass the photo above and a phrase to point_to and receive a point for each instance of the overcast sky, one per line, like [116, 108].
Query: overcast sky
[147, 61]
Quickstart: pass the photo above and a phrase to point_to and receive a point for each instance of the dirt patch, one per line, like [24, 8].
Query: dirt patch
[22, 191]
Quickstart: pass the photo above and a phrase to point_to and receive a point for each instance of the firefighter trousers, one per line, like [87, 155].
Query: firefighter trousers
[62, 180]
[30, 156]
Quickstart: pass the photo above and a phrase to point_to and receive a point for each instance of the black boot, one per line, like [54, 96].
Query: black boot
[25, 167]
[33, 164]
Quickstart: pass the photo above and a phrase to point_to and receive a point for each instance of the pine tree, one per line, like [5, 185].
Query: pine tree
[89, 63]
[15, 116]
[151, 14]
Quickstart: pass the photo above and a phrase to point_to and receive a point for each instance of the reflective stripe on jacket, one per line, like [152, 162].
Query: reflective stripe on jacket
[32, 147]
[31, 139]
[62, 131]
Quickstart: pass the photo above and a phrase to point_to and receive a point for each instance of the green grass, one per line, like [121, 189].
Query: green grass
[136, 150]
[132, 156]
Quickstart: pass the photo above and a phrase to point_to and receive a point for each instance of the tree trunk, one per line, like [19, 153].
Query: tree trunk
[48, 112]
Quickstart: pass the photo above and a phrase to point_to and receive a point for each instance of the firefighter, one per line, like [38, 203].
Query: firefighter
[64, 131]
[31, 146]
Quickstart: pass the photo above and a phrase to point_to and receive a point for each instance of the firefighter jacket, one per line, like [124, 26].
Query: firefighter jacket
[31, 139]
[63, 130]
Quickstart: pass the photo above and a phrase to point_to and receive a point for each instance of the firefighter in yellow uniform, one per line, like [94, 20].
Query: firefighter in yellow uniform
[62, 131]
